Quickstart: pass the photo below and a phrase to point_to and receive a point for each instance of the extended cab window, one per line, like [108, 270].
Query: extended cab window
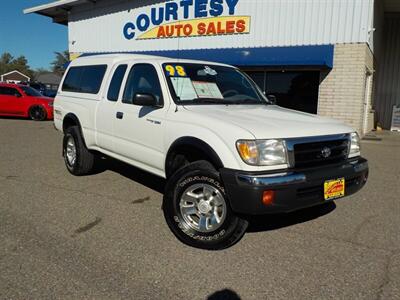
[84, 79]
[116, 81]
[142, 79]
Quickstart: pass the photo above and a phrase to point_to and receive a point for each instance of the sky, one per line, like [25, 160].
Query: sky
[33, 36]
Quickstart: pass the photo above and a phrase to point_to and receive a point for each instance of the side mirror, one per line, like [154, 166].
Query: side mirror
[145, 100]
[272, 98]
[18, 95]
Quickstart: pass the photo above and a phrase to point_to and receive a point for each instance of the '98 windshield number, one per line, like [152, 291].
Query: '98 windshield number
[175, 71]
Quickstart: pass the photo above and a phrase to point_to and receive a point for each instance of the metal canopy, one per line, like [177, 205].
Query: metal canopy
[57, 10]
[320, 57]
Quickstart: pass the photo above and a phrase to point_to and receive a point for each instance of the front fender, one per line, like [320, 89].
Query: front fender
[223, 150]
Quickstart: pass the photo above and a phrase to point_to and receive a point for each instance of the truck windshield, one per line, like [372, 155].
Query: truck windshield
[192, 84]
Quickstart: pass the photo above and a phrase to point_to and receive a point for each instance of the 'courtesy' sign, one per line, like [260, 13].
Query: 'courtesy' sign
[188, 18]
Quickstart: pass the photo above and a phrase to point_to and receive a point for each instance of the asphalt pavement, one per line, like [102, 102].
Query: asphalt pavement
[104, 236]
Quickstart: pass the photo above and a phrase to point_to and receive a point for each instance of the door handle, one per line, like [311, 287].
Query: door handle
[120, 115]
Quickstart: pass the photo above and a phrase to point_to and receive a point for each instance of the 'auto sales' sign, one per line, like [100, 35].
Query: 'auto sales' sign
[188, 18]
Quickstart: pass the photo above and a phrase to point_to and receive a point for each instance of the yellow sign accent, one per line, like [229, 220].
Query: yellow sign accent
[74, 55]
[334, 188]
[200, 27]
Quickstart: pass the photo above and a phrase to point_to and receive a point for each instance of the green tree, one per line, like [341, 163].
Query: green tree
[8, 63]
[5, 61]
[59, 62]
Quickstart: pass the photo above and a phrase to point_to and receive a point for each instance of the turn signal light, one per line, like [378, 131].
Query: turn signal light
[248, 151]
[268, 197]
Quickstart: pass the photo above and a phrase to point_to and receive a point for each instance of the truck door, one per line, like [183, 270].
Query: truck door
[139, 130]
[107, 107]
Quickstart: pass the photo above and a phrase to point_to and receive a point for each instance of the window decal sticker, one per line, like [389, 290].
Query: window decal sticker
[184, 89]
[175, 71]
[206, 89]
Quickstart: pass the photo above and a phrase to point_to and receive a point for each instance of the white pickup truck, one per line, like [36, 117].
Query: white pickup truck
[225, 150]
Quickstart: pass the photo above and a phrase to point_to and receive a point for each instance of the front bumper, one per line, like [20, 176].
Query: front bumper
[50, 113]
[294, 189]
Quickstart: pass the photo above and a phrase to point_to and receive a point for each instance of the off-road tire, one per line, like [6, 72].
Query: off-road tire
[231, 229]
[84, 162]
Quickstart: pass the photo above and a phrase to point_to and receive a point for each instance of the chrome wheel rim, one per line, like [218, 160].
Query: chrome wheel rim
[71, 151]
[203, 207]
[37, 114]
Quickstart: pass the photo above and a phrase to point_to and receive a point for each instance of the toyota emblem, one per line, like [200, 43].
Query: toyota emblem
[326, 152]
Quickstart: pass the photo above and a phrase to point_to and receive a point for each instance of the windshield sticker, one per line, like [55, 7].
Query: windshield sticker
[184, 89]
[210, 71]
[175, 71]
[207, 71]
[207, 90]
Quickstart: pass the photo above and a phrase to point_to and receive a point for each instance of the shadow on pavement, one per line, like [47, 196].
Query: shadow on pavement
[224, 295]
[276, 221]
[144, 178]
[256, 223]
[13, 118]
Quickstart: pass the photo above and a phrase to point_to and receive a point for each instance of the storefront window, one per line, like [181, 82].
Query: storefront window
[293, 89]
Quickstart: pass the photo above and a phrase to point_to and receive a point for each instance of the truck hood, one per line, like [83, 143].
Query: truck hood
[270, 121]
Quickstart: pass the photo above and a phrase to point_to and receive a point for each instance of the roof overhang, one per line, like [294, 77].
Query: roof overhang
[57, 10]
[315, 57]
[392, 6]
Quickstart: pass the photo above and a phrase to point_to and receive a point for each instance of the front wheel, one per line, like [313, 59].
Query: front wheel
[197, 210]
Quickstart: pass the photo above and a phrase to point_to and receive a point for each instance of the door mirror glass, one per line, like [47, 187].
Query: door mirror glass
[18, 95]
[145, 99]
[272, 99]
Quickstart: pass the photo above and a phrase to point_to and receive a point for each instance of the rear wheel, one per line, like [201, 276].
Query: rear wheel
[78, 159]
[197, 210]
[37, 113]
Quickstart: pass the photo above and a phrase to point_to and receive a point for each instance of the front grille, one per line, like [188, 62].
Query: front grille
[311, 154]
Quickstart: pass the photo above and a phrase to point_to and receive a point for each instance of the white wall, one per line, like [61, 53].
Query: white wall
[98, 27]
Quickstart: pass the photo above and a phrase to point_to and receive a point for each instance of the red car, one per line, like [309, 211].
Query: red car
[23, 101]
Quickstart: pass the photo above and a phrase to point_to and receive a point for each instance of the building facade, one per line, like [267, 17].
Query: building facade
[327, 57]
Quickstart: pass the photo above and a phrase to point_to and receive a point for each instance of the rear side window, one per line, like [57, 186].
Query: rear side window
[9, 91]
[116, 81]
[3, 91]
[85, 79]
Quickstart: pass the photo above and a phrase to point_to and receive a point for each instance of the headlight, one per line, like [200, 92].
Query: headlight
[262, 152]
[354, 145]
[51, 104]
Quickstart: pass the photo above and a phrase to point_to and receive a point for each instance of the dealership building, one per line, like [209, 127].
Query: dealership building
[336, 58]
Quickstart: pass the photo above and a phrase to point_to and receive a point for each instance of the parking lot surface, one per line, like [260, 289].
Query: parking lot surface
[104, 236]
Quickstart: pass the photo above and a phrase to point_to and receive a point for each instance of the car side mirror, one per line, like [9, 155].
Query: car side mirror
[145, 100]
[18, 95]
[272, 99]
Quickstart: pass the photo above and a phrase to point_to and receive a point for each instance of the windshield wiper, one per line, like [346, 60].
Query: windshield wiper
[248, 101]
[209, 100]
